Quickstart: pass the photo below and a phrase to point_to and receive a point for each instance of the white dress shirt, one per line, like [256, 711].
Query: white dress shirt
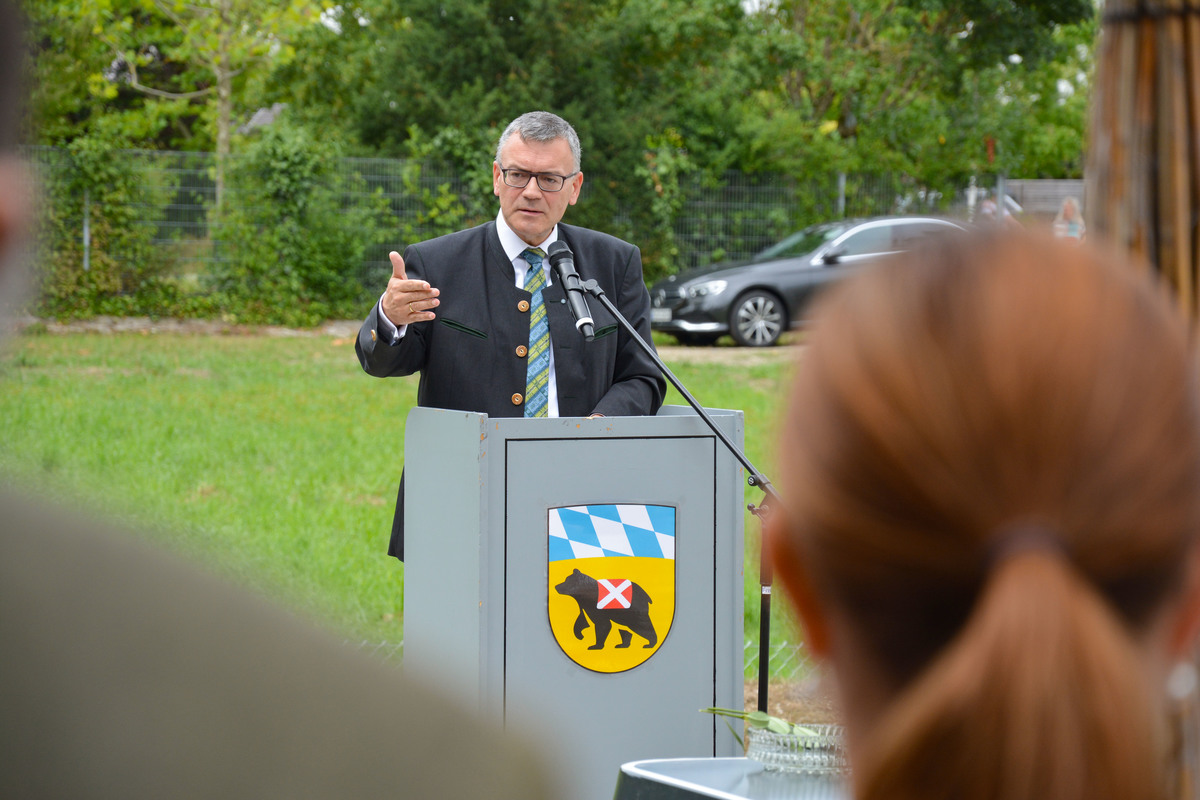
[514, 248]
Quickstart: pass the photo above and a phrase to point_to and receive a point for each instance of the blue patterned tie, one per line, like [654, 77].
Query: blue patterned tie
[537, 376]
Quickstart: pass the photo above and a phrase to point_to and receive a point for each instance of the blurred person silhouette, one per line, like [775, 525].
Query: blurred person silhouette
[987, 210]
[1069, 222]
[992, 211]
[991, 473]
[127, 673]
[16, 201]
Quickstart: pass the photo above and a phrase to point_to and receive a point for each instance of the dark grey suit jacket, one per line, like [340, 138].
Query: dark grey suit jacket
[468, 356]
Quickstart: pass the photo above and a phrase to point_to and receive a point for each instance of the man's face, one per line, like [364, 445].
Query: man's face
[531, 212]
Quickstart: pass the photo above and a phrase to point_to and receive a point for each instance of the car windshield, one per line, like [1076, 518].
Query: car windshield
[803, 242]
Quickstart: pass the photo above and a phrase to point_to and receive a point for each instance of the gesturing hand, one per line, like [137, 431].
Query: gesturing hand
[407, 301]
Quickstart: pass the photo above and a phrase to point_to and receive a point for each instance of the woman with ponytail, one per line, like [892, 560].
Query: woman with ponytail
[991, 481]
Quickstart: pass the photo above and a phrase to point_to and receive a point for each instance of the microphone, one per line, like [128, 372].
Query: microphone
[562, 261]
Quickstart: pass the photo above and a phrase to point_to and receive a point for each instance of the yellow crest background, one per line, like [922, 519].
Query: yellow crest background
[655, 575]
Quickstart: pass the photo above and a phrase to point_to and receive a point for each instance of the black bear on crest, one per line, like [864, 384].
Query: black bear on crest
[585, 590]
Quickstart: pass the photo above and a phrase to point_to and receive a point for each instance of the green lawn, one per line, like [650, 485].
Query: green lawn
[274, 460]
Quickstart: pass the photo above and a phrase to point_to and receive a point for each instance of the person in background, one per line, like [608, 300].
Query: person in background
[128, 673]
[479, 314]
[991, 483]
[1069, 222]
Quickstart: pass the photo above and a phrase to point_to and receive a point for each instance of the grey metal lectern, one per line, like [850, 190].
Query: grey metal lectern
[580, 576]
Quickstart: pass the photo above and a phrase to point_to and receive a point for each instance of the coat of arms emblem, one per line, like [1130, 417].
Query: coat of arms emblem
[611, 592]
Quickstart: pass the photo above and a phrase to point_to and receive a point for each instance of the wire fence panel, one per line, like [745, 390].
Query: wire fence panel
[409, 189]
[165, 208]
[734, 220]
[170, 203]
[788, 662]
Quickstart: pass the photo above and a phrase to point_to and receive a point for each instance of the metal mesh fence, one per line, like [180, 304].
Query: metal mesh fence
[407, 189]
[170, 198]
[736, 219]
[788, 662]
[743, 214]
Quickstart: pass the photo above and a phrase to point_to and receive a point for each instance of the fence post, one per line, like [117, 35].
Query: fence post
[87, 232]
[841, 201]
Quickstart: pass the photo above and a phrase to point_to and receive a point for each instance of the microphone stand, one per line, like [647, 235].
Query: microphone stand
[754, 478]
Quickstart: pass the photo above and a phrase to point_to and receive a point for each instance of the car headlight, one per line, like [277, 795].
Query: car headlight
[706, 288]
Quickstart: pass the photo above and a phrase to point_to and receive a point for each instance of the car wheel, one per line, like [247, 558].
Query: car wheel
[757, 319]
[697, 339]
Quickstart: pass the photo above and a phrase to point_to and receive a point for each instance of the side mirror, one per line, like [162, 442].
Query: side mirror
[833, 256]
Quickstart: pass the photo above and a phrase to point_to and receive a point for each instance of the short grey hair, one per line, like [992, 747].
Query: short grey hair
[541, 126]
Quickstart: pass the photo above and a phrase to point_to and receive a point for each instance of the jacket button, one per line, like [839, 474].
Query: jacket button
[523, 306]
[522, 350]
[517, 399]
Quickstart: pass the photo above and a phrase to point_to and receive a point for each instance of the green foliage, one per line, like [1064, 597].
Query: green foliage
[291, 241]
[665, 165]
[84, 56]
[453, 73]
[160, 73]
[445, 208]
[115, 268]
[1039, 109]
[335, 71]
[667, 96]
[987, 32]
[918, 87]
[792, 86]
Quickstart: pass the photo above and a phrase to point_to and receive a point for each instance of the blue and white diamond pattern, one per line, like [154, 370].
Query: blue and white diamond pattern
[606, 531]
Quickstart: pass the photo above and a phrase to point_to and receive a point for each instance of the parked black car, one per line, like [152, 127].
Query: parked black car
[758, 300]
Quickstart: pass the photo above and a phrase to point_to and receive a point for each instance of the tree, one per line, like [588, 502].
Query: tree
[193, 55]
[73, 96]
[918, 87]
[664, 93]
[336, 71]
[988, 32]
[451, 73]
[795, 85]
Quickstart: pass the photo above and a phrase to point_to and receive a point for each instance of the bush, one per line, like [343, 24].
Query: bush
[98, 256]
[296, 233]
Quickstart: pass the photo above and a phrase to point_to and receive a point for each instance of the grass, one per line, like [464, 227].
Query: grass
[758, 391]
[273, 460]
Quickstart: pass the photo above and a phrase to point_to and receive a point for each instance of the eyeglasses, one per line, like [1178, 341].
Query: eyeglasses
[546, 181]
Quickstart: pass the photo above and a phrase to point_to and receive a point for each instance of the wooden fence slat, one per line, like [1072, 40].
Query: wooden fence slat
[1171, 219]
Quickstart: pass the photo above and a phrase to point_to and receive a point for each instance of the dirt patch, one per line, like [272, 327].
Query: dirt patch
[810, 700]
[343, 332]
[193, 327]
[728, 356]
